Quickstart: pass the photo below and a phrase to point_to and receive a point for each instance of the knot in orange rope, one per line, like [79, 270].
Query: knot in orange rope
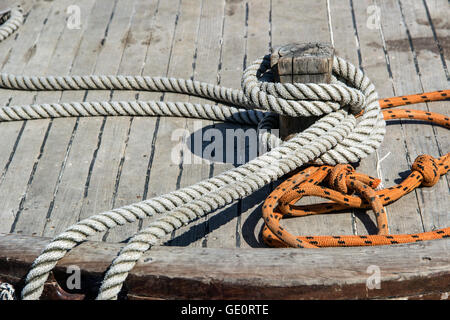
[342, 178]
[427, 166]
[339, 177]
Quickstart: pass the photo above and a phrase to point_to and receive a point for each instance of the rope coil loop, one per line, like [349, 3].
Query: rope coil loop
[10, 22]
[337, 137]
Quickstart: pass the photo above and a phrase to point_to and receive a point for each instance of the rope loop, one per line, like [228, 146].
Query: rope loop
[10, 22]
[301, 99]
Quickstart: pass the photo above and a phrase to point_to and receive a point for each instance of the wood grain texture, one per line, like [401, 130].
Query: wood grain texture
[223, 226]
[131, 177]
[218, 273]
[37, 205]
[22, 169]
[376, 62]
[84, 139]
[303, 62]
[419, 138]
[258, 43]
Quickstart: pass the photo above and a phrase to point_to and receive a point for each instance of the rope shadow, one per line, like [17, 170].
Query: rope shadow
[201, 230]
[418, 122]
[225, 142]
[367, 221]
[220, 218]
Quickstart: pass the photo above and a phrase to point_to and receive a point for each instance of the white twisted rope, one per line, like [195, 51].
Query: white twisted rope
[7, 291]
[336, 138]
[10, 22]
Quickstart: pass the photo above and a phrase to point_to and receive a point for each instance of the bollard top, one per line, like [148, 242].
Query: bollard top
[292, 61]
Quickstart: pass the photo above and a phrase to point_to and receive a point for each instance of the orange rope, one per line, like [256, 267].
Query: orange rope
[349, 189]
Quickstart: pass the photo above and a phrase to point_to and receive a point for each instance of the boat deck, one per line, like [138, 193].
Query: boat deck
[55, 172]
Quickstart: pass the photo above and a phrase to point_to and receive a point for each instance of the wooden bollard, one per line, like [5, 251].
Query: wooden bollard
[305, 63]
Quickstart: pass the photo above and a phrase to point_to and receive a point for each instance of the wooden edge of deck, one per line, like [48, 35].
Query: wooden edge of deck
[416, 270]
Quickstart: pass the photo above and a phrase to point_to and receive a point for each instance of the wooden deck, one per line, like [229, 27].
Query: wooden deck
[56, 172]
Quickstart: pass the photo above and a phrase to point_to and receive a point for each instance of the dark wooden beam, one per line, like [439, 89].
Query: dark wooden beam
[207, 273]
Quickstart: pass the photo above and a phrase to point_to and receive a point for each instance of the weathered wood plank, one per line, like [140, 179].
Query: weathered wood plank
[376, 63]
[224, 225]
[161, 172]
[39, 196]
[70, 188]
[258, 44]
[32, 141]
[182, 65]
[105, 163]
[207, 58]
[436, 12]
[218, 273]
[13, 49]
[133, 164]
[432, 76]
[407, 80]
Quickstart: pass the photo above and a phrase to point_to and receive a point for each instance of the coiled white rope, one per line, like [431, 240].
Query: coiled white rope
[336, 138]
[10, 22]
